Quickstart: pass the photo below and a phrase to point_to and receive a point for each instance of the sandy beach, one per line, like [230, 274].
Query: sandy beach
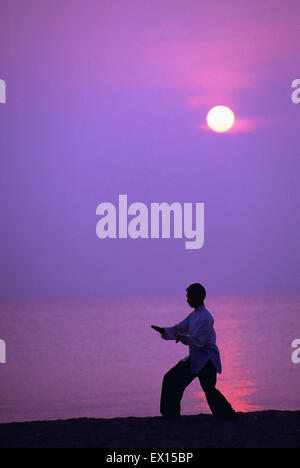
[262, 429]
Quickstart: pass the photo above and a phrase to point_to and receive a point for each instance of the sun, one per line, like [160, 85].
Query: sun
[220, 119]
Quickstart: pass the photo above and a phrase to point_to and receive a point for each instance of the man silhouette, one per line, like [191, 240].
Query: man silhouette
[203, 361]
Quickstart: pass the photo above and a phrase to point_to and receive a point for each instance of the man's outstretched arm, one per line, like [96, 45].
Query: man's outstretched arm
[170, 333]
[199, 336]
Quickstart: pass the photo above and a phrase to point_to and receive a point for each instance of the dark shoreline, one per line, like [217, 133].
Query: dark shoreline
[260, 429]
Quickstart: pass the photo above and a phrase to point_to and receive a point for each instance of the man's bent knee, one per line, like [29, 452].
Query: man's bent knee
[168, 378]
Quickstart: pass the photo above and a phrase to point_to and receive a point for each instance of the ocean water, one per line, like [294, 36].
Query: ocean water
[100, 358]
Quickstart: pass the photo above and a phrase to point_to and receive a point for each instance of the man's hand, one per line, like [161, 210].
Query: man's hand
[158, 329]
[177, 337]
[162, 330]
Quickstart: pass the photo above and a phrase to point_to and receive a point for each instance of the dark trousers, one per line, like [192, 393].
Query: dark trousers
[179, 377]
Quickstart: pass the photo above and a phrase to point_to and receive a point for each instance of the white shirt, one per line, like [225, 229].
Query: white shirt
[197, 332]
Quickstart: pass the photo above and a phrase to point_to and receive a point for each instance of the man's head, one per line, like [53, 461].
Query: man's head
[195, 295]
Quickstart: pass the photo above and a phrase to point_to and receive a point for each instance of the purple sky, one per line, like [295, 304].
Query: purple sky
[107, 98]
